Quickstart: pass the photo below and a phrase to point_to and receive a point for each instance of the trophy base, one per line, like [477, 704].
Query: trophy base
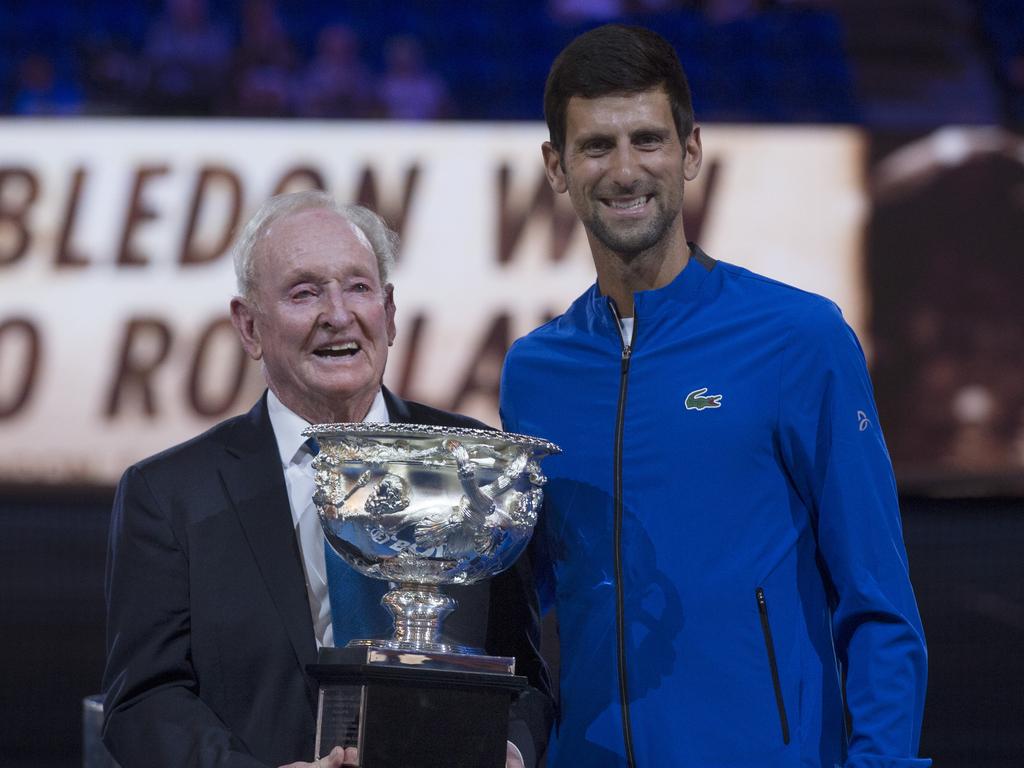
[414, 709]
[422, 655]
[424, 648]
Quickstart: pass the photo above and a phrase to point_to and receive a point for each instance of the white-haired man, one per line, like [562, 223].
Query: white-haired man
[216, 588]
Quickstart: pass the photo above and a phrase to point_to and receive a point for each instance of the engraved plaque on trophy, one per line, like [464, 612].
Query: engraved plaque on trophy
[422, 507]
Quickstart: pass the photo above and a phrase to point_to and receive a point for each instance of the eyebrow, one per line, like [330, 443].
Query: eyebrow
[583, 140]
[599, 135]
[302, 276]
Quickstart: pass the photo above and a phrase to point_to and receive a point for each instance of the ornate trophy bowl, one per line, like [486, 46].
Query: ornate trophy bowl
[422, 507]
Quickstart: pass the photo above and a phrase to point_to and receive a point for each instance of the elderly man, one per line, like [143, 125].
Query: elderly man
[722, 533]
[216, 588]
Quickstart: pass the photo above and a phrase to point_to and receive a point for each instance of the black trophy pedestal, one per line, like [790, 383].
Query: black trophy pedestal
[409, 710]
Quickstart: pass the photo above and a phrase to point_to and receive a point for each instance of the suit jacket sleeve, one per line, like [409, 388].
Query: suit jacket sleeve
[513, 629]
[154, 716]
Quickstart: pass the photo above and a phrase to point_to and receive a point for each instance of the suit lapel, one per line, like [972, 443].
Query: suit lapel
[398, 410]
[254, 481]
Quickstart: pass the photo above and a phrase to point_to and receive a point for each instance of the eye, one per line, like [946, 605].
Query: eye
[362, 287]
[302, 293]
[648, 141]
[596, 147]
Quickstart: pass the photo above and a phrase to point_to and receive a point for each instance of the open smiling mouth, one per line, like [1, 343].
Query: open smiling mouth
[347, 349]
[627, 205]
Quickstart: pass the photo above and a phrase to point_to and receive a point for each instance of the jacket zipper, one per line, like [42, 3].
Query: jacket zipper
[762, 609]
[620, 619]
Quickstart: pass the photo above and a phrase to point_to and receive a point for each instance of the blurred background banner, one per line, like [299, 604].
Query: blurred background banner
[115, 274]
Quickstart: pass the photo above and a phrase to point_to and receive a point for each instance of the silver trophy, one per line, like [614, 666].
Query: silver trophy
[421, 507]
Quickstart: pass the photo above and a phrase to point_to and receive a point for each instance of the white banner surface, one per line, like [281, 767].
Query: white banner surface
[114, 279]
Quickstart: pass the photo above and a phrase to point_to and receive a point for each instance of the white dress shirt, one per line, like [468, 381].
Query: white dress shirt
[296, 462]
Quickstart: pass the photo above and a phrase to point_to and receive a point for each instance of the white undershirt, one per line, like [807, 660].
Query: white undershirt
[296, 462]
[626, 329]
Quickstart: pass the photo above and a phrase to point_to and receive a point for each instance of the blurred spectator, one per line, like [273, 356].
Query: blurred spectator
[1003, 24]
[578, 11]
[114, 80]
[337, 83]
[39, 91]
[917, 63]
[263, 63]
[725, 11]
[408, 90]
[188, 57]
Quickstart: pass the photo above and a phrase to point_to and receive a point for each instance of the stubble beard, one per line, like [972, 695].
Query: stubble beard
[628, 243]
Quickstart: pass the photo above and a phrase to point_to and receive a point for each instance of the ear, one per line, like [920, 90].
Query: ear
[694, 154]
[243, 317]
[553, 167]
[389, 309]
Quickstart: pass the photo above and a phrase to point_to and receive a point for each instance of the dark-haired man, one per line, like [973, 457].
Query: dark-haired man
[217, 582]
[721, 536]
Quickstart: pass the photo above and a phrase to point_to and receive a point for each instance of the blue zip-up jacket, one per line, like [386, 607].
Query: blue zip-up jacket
[721, 535]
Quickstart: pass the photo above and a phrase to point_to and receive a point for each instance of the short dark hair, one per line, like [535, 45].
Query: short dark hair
[611, 59]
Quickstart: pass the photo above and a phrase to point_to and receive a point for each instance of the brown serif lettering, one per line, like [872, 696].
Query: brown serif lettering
[144, 347]
[483, 374]
[67, 256]
[14, 233]
[10, 331]
[138, 213]
[228, 181]
[230, 379]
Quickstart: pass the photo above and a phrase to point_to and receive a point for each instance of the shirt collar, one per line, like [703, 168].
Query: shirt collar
[288, 425]
[378, 412]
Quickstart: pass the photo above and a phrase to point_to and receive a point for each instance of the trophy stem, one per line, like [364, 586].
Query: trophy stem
[418, 611]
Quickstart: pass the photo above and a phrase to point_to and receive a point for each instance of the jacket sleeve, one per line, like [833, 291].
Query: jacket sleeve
[833, 449]
[153, 714]
[542, 573]
[514, 630]
[514, 604]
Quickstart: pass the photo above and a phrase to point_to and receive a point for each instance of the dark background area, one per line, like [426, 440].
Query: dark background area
[965, 563]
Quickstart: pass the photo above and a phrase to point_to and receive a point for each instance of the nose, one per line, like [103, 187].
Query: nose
[334, 311]
[625, 170]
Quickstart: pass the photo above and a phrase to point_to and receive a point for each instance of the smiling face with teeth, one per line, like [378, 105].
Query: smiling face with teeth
[624, 167]
[318, 318]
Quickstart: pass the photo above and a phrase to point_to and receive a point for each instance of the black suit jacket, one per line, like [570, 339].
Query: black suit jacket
[208, 623]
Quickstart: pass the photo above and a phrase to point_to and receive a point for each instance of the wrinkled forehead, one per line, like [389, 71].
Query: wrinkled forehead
[305, 229]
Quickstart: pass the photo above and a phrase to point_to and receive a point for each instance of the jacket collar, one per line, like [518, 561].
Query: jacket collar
[398, 410]
[684, 288]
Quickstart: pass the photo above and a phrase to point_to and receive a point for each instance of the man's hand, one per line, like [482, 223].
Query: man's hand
[513, 757]
[350, 756]
[345, 756]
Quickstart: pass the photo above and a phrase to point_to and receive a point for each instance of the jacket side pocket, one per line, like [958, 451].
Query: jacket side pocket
[769, 644]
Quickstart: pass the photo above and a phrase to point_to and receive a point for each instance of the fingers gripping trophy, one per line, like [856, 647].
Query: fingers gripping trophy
[421, 507]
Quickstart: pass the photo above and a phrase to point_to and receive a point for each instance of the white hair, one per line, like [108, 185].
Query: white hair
[370, 228]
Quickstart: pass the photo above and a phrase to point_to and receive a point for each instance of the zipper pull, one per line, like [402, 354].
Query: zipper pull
[627, 347]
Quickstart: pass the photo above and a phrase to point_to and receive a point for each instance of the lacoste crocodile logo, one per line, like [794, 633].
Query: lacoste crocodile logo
[696, 400]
